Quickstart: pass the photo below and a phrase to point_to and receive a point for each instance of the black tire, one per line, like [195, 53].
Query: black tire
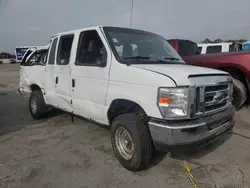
[142, 141]
[239, 93]
[41, 107]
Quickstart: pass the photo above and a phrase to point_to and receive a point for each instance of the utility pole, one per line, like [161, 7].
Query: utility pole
[131, 16]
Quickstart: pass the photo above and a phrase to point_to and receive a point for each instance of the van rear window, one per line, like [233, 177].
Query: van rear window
[52, 52]
[199, 50]
[213, 49]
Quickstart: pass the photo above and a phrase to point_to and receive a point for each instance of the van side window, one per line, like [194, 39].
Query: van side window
[52, 52]
[199, 50]
[37, 58]
[91, 50]
[26, 55]
[64, 49]
[214, 49]
[32, 59]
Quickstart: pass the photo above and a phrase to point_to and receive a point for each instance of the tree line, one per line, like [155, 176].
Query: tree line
[4, 55]
[207, 40]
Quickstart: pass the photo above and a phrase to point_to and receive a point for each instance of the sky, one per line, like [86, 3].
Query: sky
[32, 22]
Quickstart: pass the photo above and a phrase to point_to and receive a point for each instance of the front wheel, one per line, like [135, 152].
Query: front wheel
[37, 105]
[239, 93]
[131, 141]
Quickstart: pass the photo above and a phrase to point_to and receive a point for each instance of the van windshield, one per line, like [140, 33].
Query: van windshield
[132, 46]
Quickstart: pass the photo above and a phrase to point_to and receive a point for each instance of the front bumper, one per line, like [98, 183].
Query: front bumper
[165, 134]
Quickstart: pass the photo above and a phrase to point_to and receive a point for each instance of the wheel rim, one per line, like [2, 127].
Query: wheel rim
[124, 143]
[33, 105]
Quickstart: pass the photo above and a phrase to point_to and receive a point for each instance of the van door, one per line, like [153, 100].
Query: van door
[90, 76]
[62, 73]
[50, 94]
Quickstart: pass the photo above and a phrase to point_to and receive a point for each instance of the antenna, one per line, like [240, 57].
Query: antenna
[131, 16]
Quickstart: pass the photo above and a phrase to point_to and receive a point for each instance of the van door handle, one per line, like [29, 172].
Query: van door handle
[73, 82]
[56, 80]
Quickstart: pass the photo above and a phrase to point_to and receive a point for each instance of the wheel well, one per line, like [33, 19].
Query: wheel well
[34, 87]
[123, 106]
[238, 74]
[235, 72]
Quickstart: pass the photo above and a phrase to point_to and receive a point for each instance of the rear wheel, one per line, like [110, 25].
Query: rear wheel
[239, 93]
[37, 105]
[131, 141]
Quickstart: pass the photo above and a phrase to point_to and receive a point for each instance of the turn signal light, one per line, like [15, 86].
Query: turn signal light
[165, 100]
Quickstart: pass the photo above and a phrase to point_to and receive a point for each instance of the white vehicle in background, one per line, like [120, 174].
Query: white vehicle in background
[210, 48]
[135, 82]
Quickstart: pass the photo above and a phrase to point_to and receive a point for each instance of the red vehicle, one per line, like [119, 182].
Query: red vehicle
[235, 63]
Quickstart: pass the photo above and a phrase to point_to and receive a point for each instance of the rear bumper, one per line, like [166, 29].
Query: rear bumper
[165, 134]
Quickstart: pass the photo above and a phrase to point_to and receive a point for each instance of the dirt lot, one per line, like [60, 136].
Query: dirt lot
[55, 152]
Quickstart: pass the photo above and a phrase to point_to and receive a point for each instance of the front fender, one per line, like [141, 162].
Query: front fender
[145, 96]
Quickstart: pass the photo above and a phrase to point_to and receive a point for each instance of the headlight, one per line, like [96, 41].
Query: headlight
[173, 102]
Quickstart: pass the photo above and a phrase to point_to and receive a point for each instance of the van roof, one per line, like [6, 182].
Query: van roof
[36, 48]
[80, 29]
[89, 28]
[214, 44]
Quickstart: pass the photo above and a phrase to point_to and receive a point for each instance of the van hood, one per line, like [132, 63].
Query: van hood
[179, 72]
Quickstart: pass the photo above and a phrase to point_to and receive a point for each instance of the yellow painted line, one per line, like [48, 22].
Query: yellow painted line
[190, 176]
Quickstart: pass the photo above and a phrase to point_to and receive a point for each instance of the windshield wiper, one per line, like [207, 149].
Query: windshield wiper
[136, 57]
[172, 58]
[145, 57]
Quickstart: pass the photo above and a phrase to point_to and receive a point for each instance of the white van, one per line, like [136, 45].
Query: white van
[211, 48]
[135, 82]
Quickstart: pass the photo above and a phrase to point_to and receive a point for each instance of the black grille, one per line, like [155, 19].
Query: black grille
[216, 106]
[216, 88]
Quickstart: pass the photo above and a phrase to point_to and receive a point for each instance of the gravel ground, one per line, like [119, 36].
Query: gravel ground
[54, 152]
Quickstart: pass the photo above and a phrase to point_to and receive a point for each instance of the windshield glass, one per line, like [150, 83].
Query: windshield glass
[135, 46]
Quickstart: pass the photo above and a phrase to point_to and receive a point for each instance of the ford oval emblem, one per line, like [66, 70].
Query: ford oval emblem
[218, 97]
